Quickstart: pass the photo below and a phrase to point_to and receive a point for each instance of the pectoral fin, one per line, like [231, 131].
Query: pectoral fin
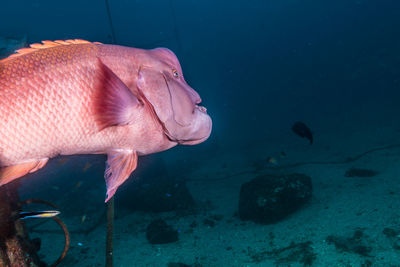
[115, 103]
[120, 165]
[10, 173]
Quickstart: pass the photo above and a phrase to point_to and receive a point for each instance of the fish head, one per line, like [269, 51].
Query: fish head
[175, 103]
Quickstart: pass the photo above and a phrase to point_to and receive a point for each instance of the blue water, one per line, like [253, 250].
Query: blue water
[259, 66]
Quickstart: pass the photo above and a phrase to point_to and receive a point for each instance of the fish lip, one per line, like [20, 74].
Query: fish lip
[200, 108]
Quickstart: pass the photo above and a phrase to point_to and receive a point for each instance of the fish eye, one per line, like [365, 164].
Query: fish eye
[175, 73]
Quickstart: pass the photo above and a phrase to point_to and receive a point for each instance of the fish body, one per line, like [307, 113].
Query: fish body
[38, 214]
[76, 97]
[303, 131]
[272, 161]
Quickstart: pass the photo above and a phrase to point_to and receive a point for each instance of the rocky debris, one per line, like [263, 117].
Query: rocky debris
[393, 236]
[16, 249]
[296, 252]
[390, 232]
[353, 244]
[211, 220]
[177, 264]
[357, 172]
[159, 232]
[180, 264]
[268, 199]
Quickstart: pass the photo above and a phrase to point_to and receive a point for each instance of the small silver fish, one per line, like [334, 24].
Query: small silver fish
[38, 214]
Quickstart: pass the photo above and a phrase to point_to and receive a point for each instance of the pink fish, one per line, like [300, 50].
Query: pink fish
[77, 97]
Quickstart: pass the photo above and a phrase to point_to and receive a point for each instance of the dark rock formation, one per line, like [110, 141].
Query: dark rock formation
[267, 199]
[159, 232]
[15, 247]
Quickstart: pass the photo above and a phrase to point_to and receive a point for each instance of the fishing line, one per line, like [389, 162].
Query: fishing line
[176, 31]
[294, 165]
[113, 39]
[110, 204]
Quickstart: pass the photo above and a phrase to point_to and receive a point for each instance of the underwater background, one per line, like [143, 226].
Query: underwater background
[259, 67]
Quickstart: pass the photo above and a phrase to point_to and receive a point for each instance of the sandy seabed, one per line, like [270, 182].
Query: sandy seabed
[340, 206]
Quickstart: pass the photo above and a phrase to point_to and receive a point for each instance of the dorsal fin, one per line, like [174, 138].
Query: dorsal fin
[46, 44]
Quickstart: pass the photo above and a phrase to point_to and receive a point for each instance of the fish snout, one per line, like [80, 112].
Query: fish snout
[201, 128]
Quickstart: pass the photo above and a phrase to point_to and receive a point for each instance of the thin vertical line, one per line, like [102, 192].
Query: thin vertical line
[176, 31]
[113, 39]
[110, 233]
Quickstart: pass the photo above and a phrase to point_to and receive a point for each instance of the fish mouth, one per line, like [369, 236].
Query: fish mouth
[200, 108]
[195, 100]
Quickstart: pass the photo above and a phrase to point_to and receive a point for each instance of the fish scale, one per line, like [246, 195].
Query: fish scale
[76, 97]
[48, 108]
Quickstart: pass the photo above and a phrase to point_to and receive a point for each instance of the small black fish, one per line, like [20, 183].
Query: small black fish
[302, 130]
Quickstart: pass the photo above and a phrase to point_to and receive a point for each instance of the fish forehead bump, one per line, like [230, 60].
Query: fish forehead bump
[163, 59]
[167, 56]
